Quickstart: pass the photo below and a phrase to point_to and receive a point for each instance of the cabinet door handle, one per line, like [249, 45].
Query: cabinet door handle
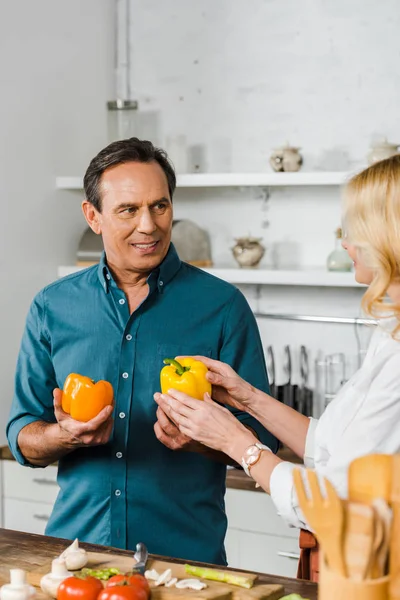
[41, 517]
[44, 481]
[293, 555]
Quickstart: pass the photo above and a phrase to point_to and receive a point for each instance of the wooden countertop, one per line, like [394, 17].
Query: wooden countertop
[235, 478]
[28, 551]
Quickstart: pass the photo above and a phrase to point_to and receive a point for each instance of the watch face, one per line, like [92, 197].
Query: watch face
[252, 459]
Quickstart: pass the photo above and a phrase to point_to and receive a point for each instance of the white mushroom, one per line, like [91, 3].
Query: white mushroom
[171, 582]
[75, 557]
[18, 588]
[50, 582]
[164, 577]
[193, 584]
[152, 575]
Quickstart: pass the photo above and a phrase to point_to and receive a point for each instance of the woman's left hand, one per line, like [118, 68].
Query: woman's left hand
[204, 421]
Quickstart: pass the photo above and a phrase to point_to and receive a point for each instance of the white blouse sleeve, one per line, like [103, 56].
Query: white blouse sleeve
[375, 428]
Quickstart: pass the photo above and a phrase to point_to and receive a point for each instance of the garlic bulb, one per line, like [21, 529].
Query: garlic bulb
[50, 582]
[75, 557]
[193, 584]
[18, 588]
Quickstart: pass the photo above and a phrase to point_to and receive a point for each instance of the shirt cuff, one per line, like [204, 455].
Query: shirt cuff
[282, 493]
[12, 436]
[309, 451]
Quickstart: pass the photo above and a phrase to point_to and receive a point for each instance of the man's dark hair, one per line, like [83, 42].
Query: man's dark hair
[124, 151]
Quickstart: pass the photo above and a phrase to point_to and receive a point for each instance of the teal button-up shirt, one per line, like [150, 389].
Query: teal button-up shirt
[134, 488]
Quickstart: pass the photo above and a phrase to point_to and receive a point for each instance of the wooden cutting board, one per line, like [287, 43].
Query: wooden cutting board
[214, 590]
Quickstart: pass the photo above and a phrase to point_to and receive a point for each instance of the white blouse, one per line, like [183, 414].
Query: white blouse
[363, 418]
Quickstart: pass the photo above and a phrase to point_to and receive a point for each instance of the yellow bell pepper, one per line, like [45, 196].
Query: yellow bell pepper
[187, 376]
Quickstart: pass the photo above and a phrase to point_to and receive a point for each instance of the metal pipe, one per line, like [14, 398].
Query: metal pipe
[317, 319]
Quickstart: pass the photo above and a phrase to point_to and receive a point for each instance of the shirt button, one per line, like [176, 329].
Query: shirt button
[125, 375]
[108, 276]
[160, 283]
[117, 492]
[121, 415]
[129, 337]
[121, 301]
[119, 455]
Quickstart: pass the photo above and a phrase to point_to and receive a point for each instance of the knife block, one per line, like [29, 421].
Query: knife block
[333, 586]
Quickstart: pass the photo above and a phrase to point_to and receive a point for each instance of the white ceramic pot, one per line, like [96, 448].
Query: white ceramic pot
[382, 150]
[287, 158]
[248, 251]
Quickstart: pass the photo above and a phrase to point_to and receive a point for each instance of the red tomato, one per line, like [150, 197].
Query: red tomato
[79, 588]
[123, 591]
[136, 580]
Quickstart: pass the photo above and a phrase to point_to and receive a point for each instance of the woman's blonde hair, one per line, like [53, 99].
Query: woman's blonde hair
[371, 222]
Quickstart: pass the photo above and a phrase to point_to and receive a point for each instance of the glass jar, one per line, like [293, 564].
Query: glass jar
[122, 119]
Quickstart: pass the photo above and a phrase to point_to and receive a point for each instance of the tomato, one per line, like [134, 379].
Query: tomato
[79, 588]
[136, 580]
[123, 591]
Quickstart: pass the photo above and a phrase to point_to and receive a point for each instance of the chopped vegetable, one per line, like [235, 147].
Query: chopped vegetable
[222, 576]
[103, 574]
[192, 584]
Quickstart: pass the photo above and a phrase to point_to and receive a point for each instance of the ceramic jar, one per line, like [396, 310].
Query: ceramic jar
[248, 251]
[382, 150]
[287, 158]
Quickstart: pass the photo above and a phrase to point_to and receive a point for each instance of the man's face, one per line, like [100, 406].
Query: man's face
[136, 216]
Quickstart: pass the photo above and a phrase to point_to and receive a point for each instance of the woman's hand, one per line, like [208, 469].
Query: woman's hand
[228, 387]
[206, 422]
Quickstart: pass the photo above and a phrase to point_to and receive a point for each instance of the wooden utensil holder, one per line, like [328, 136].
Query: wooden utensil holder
[334, 587]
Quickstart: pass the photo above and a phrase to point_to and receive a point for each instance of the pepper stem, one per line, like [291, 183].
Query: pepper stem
[180, 369]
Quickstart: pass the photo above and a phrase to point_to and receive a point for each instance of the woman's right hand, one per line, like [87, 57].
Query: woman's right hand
[228, 387]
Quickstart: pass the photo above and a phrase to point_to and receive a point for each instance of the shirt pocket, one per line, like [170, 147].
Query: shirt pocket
[183, 349]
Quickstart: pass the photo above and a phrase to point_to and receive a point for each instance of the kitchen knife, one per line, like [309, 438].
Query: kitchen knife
[141, 555]
[271, 371]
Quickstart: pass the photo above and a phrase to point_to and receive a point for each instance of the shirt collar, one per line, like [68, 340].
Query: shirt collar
[161, 276]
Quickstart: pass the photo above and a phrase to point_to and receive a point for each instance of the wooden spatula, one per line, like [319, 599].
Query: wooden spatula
[370, 477]
[325, 515]
[394, 587]
[359, 541]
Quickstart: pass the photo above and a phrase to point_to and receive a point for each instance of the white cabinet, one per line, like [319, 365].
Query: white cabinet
[258, 539]
[28, 496]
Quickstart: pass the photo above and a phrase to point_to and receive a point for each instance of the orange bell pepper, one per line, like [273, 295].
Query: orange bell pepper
[83, 399]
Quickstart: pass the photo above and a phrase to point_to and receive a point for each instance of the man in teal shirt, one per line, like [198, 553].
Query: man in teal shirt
[129, 475]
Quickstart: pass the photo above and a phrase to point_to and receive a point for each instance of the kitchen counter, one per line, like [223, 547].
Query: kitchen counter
[28, 551]
[235, 478]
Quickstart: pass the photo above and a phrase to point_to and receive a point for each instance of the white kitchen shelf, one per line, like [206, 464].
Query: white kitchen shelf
[195, 180]
[306, 277]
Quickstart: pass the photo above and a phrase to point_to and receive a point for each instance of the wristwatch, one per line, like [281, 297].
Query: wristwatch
[252, 455]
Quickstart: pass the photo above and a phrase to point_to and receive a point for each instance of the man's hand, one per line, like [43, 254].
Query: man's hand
[168, 434]
[74, 433]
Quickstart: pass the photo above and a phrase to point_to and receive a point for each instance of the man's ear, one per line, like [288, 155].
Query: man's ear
[92, 216]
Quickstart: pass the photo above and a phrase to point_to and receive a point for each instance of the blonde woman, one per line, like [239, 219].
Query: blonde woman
[365, 415]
